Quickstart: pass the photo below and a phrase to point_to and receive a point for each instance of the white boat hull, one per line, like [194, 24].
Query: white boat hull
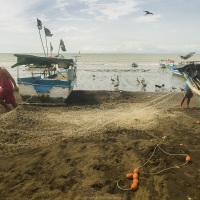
[56, 94]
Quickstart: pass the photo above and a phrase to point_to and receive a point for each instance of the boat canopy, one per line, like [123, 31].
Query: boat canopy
[38, 61]
[185, 57]
[192, 69]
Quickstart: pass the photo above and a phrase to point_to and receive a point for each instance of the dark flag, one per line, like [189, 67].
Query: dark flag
[62, 45]
[51, 47]
[47, 32]
[39, 24]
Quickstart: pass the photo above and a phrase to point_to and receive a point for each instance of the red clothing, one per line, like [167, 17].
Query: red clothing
[6, 91]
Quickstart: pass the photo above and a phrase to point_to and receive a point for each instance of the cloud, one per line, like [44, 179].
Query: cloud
[102, 10]
[64, 30]
[61, 4]
[148, 18]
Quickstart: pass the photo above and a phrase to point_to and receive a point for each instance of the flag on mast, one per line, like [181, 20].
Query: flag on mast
[47, 32]
[39, 24]
[62, 45]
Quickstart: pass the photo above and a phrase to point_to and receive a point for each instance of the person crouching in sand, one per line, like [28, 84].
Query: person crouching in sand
[188, 95]
[8, 86]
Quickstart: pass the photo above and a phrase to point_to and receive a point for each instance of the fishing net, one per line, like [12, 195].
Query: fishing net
[31, 126]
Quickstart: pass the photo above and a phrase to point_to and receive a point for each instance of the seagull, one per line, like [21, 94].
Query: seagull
[117, 82]
[173, 87]
[182, 89]
[143, 83]
[160, 86]
[138, 80]
[148, 13]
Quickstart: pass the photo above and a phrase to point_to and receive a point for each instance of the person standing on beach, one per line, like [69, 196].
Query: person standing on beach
[188, 95]
[7, 88]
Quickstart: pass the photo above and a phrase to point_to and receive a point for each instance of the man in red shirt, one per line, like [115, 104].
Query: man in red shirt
[7, 87]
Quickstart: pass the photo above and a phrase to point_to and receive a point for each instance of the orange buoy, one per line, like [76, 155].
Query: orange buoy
[135, 180]
[134, 186]
[135, 175]
[129, 176]
[188, 159]
[136, 170]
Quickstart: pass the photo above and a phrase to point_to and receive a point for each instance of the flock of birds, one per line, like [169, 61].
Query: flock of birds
[115, 83]
[158, 87]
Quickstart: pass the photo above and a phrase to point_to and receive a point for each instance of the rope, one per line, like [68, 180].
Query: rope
[156, 173]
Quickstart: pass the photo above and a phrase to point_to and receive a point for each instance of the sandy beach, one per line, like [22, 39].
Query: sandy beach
[83, 150]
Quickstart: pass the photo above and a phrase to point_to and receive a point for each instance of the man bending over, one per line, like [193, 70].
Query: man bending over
[7, 88]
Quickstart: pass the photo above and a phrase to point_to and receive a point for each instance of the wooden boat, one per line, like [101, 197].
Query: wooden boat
[52, 80]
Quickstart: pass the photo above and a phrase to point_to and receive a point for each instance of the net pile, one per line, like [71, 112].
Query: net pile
[28, 127]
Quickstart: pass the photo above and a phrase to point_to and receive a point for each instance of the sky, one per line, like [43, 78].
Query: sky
[101, 26]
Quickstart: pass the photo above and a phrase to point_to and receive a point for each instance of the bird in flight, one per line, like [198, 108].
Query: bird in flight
[148, 13]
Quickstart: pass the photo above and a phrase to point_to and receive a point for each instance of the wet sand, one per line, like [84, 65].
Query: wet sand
[107, 135]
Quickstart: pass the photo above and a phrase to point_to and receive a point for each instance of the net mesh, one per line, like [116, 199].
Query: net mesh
[31, 126]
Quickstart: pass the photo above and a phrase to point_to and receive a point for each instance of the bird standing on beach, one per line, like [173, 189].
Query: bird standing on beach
[160, 86]
[173, 88]
[138, 80]
[182, 89]
[117, 82]
[148, 13]
[113, 80]
[143, 84]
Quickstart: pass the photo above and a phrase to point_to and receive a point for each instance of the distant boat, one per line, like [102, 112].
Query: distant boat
[166, 63]
[134, 64]
[54, 83]
[163, 63]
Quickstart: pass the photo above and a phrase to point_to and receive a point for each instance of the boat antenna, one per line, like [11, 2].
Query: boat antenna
[39, 25]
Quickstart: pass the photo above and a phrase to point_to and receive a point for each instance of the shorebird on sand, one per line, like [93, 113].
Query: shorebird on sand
[173, 88]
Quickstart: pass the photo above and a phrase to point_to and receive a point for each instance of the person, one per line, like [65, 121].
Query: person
[7, 88]
[188, 95]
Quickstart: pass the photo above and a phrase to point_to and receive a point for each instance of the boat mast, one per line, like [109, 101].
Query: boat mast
[39, 25]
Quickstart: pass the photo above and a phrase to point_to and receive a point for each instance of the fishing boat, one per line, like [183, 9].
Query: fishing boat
[175, 71]
[134, 64]
[163, 63]
[192, 74]
[52, 79]
[166, 63]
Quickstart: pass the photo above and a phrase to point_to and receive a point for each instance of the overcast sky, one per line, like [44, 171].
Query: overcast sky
[101, 26]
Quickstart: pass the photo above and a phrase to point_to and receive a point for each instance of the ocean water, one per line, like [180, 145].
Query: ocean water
[112, 72]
